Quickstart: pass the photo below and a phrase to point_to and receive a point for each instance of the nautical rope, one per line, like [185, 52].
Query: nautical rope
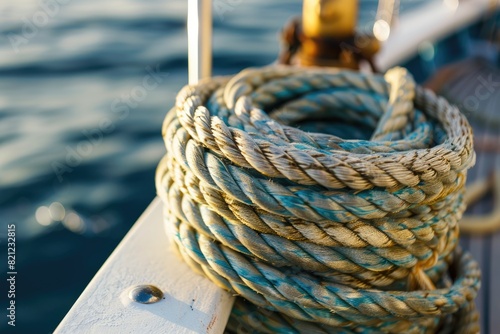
[267, 195]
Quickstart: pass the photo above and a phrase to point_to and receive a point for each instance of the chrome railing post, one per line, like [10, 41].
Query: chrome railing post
[199, 26]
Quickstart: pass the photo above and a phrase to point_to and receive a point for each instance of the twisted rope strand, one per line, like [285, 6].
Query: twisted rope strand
[322, 234]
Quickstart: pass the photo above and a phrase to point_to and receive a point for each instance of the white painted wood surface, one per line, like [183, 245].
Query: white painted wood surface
[192, 303]
[428, 23]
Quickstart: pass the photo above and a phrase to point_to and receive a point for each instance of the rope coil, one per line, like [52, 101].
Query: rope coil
[328, 231]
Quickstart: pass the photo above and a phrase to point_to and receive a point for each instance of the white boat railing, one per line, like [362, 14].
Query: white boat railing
[427, 24]
[191, 303]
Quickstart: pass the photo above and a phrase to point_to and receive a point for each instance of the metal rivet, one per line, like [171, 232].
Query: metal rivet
[145, 294]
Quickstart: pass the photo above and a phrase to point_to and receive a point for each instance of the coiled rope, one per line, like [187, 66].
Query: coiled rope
[268, 195]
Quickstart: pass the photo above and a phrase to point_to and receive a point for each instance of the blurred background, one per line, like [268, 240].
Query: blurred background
[84, 87]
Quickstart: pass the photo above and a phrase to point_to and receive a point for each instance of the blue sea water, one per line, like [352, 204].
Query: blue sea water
[80, 126]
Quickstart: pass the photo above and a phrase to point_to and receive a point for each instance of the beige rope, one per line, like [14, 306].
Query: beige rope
[345, 233]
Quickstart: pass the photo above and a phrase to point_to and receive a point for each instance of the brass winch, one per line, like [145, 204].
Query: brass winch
[326, 36]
